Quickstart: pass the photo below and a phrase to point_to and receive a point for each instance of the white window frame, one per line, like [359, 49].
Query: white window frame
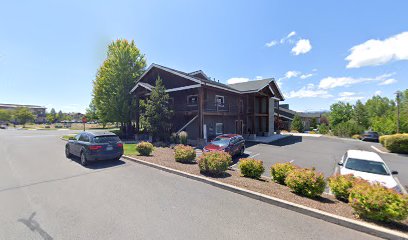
[222, 103]
[188, 102]
[216, 128]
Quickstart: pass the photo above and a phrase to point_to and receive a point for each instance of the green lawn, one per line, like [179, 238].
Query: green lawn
[130, 149]
[66, 137]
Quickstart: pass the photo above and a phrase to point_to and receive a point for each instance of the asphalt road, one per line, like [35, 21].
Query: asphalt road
[43, 195]
[323, 153]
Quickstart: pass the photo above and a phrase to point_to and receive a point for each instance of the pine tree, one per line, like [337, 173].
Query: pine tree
[297, 124]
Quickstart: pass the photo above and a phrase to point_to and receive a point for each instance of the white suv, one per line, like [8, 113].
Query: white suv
[368, 166]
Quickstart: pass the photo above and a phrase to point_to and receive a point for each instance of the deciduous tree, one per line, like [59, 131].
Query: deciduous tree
[23, 115]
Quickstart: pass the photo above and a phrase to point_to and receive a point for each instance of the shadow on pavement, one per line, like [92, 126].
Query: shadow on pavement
[280, 143]
[100, 164]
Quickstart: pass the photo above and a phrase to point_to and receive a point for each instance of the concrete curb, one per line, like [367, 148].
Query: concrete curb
[339, 220]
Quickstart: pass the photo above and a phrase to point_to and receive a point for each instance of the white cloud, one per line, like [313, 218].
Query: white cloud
[304, 76]
[309, 91]
[258, 78]
[291, 34]
[271, 43]
[377, 52]
[388, 81]
[237, 80]
[348, 97]
[377, 93]
[302, 46]
[333, 82]
[291, 74]
[282, 40]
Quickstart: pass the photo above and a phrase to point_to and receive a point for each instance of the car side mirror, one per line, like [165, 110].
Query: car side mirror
[340, 163]
[394, 172]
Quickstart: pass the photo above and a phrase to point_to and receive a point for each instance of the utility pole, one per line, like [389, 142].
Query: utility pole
[398, 93]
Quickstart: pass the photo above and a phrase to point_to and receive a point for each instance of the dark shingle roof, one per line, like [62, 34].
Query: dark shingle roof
[251, 85]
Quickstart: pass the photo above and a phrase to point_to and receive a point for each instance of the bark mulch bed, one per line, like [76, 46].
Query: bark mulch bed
[327, 203]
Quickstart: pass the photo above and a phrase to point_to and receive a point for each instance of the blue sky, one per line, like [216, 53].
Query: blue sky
[319, 51]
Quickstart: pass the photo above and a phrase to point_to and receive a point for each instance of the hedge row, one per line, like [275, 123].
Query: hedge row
[397, 143]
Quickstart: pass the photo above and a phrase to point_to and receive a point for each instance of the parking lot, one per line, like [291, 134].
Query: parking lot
[323, 153]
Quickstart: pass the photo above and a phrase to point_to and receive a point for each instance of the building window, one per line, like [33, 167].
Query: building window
[192, 100]
[219, 100]
[218, 128]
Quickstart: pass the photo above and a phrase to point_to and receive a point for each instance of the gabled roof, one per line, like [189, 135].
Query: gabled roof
[247, 87]
[251, 85]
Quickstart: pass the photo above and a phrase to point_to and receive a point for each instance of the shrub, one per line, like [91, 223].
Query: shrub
[356, 136]
[306, 182]
[183, 137]
[251, 168]
[144, 148]
[214, 162]
[173, 138]
[184, 154]
[383, 138]
[323, 129]
[397, 143]
[297, 124]
[341, 185]
[378, 203]
[279, 171]
[294, 131]
[347, 129]
[312, 132]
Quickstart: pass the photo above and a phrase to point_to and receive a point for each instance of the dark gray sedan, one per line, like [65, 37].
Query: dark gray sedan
[90, 146]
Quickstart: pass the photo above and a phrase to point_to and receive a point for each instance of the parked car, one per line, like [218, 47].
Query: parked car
[368, 166]
[370, 136]
[233, 144]
[3, 126]
[97, 146]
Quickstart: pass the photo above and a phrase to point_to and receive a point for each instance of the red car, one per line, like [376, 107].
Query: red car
[233, 144]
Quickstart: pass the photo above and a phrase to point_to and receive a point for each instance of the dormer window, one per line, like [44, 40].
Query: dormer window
[192, 100]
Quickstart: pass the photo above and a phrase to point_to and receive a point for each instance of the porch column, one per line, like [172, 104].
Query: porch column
[137, 113]
[200, 112]
[271, 116]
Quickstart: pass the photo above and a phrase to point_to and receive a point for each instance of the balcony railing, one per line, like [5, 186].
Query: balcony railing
[208, 107]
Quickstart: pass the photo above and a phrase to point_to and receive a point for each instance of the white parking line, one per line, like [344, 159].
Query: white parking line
[378, 150]
[254, 155]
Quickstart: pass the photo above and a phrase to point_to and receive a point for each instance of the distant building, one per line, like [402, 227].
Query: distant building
[74, 116]
[287, 115]
[38, 111]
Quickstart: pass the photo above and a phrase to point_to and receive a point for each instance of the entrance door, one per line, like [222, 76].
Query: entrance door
[239, 125]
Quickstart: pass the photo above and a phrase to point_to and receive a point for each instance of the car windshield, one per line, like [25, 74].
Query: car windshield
[222, 142]
[106, 139]
[367, 166]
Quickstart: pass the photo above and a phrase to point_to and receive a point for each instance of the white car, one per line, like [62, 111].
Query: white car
[368, 166]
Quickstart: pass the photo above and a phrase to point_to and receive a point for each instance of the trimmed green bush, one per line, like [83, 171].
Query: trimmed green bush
[378, 203]
[183, 137]
[306, 182]
[215, 163]
[383, 138]
[397, 143]
[144, 148]
[251, 168]
[184, 154]
[340, 185]
[279, 171]
[356, 136]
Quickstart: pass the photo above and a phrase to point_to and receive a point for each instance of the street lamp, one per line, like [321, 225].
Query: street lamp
[398, 97]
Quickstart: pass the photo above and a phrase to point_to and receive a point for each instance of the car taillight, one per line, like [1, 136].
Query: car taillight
[95, 147]
[120, 145]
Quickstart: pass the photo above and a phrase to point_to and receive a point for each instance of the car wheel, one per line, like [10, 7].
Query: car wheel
[241, 152]
[84, 162]
[67, 153]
